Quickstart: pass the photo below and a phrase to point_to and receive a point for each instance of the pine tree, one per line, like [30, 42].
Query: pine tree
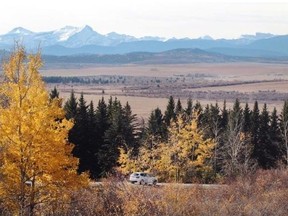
[70, 106]
[224, 117]
[156, 129]
[178, 109]
[130, 127]
[266, 152]
[81, 135]
[255, 120]
[236, 114]
[34, 149]
[102, 125]
[246, 119]
[189, 108]
[54, 93]
[170, 111]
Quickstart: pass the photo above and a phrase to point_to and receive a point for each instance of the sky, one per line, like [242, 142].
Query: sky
[164, 18]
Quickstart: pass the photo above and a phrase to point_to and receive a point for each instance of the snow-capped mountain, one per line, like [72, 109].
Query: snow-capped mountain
[68, 36]
[20, 31]
[71, 40]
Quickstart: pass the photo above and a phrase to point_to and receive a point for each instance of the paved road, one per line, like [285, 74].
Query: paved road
[208, 186]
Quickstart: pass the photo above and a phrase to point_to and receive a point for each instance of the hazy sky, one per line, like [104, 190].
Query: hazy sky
[166, 18]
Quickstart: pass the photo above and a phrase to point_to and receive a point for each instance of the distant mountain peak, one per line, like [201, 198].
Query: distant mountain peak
[66, 32]
[257, 36]
[20, 30]
[206, 37]
[87, 28]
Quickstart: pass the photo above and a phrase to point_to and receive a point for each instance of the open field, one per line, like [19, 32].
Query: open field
[227, 71]
[146, 87]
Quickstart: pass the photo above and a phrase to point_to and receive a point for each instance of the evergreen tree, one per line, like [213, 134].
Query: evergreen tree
[178, 109]
[113, 137]
[102, 125]
[275, 135]
[255, 122]
[224, 117]
[70, 106]
[80, 135]
[236, 114]
[247, 119]
[156, 126]
[92, 145]
[170, 111]
[265, 151]
[130, 127]
[205, 123]
[54, 93]
[189, 107]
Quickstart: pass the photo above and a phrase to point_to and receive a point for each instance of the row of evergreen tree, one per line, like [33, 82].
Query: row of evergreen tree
[244, 137]
[98, 133]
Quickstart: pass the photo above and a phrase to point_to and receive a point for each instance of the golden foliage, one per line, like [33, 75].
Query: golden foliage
[186, 155]
[36, 163]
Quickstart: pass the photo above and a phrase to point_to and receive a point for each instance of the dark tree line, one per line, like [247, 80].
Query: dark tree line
[99, 132]
[245, 138]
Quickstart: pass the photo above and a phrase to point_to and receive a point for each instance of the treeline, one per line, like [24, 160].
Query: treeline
[236, 141]
[99, 132]
[84, 80]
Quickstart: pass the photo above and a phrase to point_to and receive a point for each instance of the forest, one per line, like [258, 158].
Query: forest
[192, 144]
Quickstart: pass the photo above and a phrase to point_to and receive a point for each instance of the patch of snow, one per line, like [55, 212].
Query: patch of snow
[66, 32]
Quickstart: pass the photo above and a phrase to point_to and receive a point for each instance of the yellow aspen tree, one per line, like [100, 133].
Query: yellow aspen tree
[187, 152]
[128, 163]
[36, 167]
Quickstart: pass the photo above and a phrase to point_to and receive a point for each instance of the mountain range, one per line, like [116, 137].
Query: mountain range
[71, 40]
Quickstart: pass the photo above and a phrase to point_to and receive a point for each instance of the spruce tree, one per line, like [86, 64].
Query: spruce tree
[130, 127]
[102, 125]
[156, 125]
[170, 111]
[275, 135]
[54, 93]
[189, 108]
[92, 145]
[265, 151]
[70, 106]
[178, 109]
[224, 117]
[236, 114]
[80, 135]
[246, 119]
[255, 123]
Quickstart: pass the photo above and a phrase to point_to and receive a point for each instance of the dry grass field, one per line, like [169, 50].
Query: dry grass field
[207, 83]
[233, 71]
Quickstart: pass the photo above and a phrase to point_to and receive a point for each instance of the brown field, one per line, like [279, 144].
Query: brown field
[278, 86]
[233, 71]
[144, 96]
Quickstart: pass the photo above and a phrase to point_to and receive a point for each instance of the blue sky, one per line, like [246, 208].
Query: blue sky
[165, 18]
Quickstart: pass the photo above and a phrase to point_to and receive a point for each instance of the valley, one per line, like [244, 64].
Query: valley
[146, 87]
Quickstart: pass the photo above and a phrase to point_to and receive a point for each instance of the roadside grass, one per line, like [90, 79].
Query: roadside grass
[262, 193]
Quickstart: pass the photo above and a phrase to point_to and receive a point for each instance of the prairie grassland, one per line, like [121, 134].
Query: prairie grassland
[229, 71]
[207, 83]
